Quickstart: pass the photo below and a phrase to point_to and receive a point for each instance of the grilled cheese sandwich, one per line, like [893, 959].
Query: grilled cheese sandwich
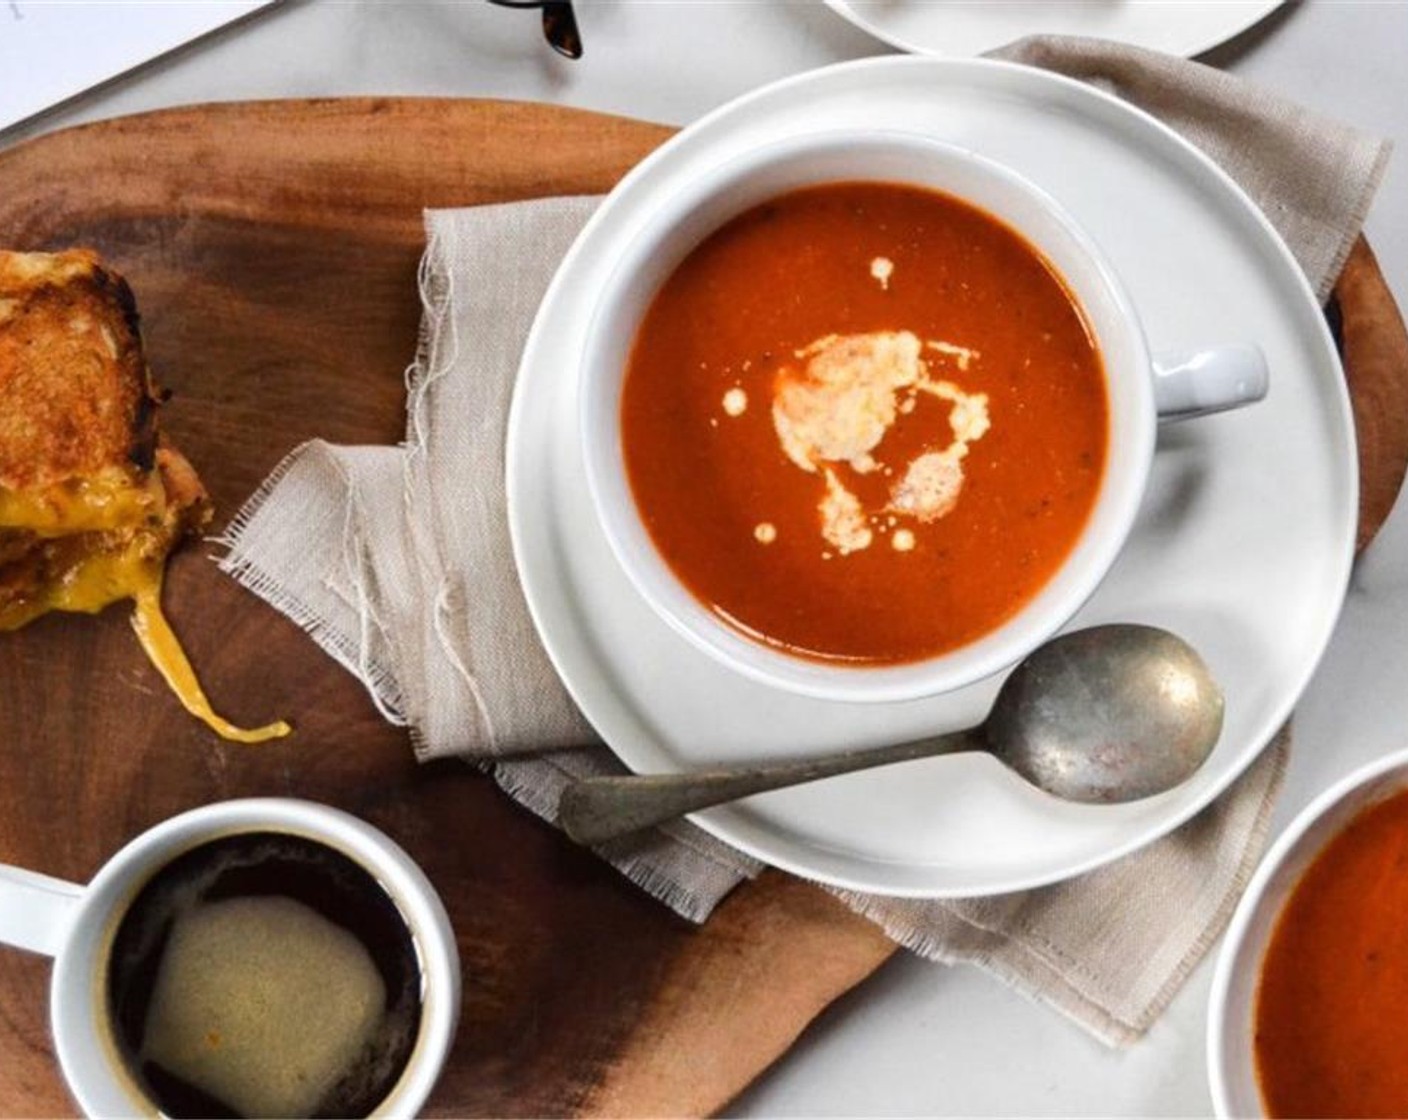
[92, 500]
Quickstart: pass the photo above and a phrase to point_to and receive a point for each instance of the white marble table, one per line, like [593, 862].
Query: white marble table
[916, 1039]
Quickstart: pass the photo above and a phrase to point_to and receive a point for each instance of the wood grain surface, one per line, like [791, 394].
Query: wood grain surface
[1374, 346]
[273, 249]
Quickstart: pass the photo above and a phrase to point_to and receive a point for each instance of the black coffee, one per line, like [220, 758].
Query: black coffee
[265, 974]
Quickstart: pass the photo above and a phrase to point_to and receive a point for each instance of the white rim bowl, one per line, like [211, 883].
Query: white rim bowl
[1232, 1009]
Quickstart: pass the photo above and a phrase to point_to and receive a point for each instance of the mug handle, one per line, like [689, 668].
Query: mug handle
[36, 911]
[1206, 381]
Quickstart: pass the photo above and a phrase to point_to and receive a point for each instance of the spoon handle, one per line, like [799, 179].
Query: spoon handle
[595, 810]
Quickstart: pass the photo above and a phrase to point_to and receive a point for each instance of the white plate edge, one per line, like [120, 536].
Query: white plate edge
[1258, 10]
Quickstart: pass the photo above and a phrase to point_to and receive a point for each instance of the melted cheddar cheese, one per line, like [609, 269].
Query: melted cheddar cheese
[114, 498]
[133, 570]
[164, 649]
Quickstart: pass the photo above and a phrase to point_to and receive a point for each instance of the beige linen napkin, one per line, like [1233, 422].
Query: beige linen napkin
[397, 561]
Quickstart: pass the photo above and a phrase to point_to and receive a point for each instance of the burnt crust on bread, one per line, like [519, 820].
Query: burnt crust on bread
[77, 394]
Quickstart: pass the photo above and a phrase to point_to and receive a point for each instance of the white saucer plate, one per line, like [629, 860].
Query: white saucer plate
[956, 28]
[1243, 544]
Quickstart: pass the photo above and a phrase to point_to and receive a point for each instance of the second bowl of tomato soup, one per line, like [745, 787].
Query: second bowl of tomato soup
[867, 417]
[1306, 1012]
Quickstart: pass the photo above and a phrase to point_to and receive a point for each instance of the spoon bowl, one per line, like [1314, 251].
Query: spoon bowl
[1108, 714]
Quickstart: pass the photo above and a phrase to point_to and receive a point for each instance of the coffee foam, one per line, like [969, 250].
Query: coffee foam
[262, 1003]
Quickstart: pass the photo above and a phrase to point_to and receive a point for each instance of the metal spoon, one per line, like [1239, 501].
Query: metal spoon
[1112, 713]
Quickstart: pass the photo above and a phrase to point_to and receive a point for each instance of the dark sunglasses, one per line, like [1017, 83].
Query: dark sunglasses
[559, 23]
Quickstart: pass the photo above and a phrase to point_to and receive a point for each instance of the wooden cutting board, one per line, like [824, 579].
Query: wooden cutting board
[273, 249]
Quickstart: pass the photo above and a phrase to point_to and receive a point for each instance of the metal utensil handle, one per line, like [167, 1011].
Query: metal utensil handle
[595, 810]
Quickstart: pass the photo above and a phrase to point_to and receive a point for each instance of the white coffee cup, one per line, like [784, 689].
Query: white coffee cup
[1142, 390]
[76, 926]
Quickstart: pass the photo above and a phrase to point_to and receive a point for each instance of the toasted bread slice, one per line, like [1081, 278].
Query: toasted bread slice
[78, 402]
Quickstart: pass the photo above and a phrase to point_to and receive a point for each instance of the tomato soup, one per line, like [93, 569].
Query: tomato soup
[864, 422]
[1331, 1031]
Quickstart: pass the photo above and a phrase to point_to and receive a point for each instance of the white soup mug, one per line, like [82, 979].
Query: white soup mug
[1141, 389]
